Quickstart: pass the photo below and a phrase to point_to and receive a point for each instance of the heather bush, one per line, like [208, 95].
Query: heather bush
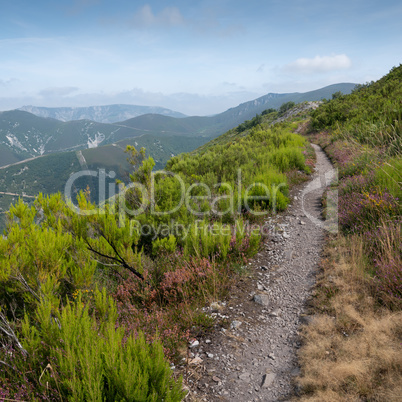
[362, 211]
[208, 240]
[176, 285]
[19, 377]
[167, 244]
[389, 280]
[386, 252]
[288, 158]
[369, 205]
[93, 361]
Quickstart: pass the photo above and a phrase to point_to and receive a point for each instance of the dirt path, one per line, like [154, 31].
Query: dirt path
[255, 358]
[18, 195]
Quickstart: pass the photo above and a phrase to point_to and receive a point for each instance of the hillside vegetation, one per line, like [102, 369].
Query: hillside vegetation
[95, 302]
[352, 348]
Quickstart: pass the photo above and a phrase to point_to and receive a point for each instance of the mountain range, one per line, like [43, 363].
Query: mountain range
[39, 154]
[100, 114]
[24, 135]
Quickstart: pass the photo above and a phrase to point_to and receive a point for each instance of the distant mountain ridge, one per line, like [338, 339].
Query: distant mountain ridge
[212, 126]
[100, 114]
[24, 135]
[275, 100]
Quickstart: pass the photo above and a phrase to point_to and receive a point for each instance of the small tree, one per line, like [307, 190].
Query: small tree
[337, 95]
[285, 107]
[142, 176]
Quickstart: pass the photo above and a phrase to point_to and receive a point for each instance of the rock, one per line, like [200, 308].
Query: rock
[285, 235]
[245, 377]
[216, 379]
[267, 380]
[196, 360]
[261, 299]
[235, 324]
[302, 223]
[264, 268]
[194, 343]
[215, 307]
[208, 341]
[210, 355]
[271, 356]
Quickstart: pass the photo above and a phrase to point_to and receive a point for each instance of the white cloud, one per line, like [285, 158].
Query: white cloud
[320, 64]
[145, 17]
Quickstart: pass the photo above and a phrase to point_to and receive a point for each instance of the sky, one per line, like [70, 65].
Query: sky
[197, 57]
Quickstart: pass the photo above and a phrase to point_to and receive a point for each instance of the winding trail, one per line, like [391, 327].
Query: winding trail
[17, 195]
[256, 358]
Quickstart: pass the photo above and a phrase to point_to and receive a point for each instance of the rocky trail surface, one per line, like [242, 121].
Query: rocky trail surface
[255, 358]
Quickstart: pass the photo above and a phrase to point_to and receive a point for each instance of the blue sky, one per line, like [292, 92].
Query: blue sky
[198, 57]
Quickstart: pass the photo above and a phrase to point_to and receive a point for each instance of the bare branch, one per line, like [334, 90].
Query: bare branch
[117, 259]
[8, 331]
[24, 283]
[6, 364]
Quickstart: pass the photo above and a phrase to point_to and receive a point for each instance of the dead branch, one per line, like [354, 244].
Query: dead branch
[6, 329]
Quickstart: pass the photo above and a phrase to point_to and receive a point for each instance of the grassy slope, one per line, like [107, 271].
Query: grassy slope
[352, 348]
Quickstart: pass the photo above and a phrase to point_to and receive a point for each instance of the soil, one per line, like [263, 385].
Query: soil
[254, 356]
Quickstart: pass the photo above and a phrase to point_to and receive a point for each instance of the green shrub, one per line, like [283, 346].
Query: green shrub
[167, 244]
[92, 359]
[389, 175]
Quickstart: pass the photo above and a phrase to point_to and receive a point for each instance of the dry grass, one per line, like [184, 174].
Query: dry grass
[352, 348]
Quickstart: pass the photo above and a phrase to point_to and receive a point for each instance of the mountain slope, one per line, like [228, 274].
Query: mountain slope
[24, 135]
[212, 126]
